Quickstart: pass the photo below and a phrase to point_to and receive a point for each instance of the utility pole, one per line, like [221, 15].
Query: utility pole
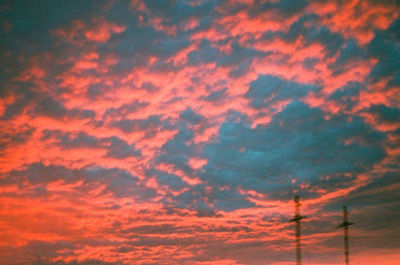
[346, 225]
[297, 219]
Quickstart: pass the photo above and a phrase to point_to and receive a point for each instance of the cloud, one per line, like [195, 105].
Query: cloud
[347, 96]
[97, 30]
[204, 54]
[120, 149]
[131, 125]
[114, 146]
[268, 89]
[384, 48]
[172, 181]
[66, 140]
[385, 114]
[216, 96]
[82, 262]
[15, 136]
[177, 150]
[285, 8]
[307, 28]
[120, 183]
[52, 108]
[40, 252]
[298, 144]
[191, 117]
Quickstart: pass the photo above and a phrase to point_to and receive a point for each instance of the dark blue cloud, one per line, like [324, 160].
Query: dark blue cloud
[191, 117]
[177, 12]
[75, 262]
[285, 8]
[167, 47]
[312, 33]
[118, 182]
[348, 95]
[240, 59]
[120, 149]
[39, 252]
[386, 48]
[26, 97]
[208, 200]
[66, 140]
[15, 136]
[115, 147]
[298, 143]
[204, 54]
[52, 108]
[216, 96]
[171, 180]
[385, 114]
[239, 54]
[269, 88]
[151, 42]
[178, 150]
[125, 109]
[350, 52]
[310, 62]
[130, 125]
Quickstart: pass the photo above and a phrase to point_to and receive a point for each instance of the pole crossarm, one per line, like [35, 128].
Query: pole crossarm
[297, 218]
[346, 225]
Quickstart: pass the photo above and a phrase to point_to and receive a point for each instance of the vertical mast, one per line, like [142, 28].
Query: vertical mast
[346, 225]
[297, 219]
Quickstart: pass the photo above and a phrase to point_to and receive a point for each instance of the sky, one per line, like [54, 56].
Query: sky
[179, 132]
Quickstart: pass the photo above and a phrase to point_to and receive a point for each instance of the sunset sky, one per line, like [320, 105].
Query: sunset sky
[179, 132]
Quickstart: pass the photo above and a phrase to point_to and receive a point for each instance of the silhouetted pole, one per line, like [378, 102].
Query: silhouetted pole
[297, 219]
[346, 225]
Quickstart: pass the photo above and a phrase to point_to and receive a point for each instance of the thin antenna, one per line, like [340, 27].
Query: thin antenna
[297, 219]
[346, 225]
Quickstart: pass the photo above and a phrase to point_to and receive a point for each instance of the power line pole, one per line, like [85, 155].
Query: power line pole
[297, 219]
[346, 225]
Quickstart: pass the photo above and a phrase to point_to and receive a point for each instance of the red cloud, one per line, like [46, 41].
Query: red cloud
[98, 30]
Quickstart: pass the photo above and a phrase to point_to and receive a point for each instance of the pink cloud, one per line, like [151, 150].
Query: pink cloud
[98, 30]
[356, 18]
